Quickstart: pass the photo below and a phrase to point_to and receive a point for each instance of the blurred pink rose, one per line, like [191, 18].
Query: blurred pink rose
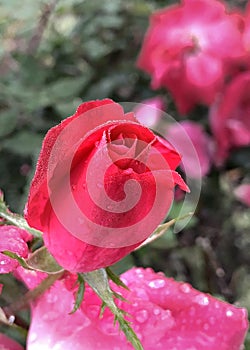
[7, 343]
[149, 111]
[194, 144]
[230, 117]
[246, 31]
[12, 239]
[165, 315]
[242, 193]
[183, 52]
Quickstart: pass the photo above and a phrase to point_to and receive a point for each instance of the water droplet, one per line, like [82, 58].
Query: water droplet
[3, 262]
[159, 283]
[185, 288]
[156, 312]
[99, 185]
[50, 316]
[229, 313]
[141, 316]
[73, 187]
[51, 298]
[202, 299]
[139, 273]
[166, 314]
[32, 337]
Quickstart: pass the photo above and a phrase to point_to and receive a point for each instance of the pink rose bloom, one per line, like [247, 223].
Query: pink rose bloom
[242, 193]
[149, 111]
[194, 145]
[183, 52]
[14, 240]
[7, 343]
[230, 117]
[165, 315]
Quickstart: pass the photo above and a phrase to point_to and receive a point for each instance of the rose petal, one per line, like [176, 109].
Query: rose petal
[13, 239]
[165, 315]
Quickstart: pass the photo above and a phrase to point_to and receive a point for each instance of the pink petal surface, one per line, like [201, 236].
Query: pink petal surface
[194, 145]
[12, 239]
[165, 315]
[149, 111]
[183, 51]
[230, 117]
[242, 193]
[7, 343]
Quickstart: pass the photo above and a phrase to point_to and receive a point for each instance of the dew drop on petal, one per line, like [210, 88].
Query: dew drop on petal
[202, 299]
[141, 316]
[158, 283]
[229, 313]
[185, 288]
[156, 311]
[32, 337]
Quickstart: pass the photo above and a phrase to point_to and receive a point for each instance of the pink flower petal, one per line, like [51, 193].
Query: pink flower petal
[230, 117]
[149, 111]
[194, 145]
[183, 51]
[12, 239]
[165, 315]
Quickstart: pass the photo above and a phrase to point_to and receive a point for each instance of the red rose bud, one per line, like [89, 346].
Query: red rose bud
[103, 183]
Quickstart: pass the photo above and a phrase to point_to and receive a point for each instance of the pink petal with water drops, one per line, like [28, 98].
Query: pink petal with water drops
[12, 239]
[165, 314]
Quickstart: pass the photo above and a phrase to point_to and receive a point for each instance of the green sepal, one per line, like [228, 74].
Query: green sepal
[79, 294]
[98, 281]
[42, 260]
[116, 279]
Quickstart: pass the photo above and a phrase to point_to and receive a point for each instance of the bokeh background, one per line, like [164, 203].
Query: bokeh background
[56, 54]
